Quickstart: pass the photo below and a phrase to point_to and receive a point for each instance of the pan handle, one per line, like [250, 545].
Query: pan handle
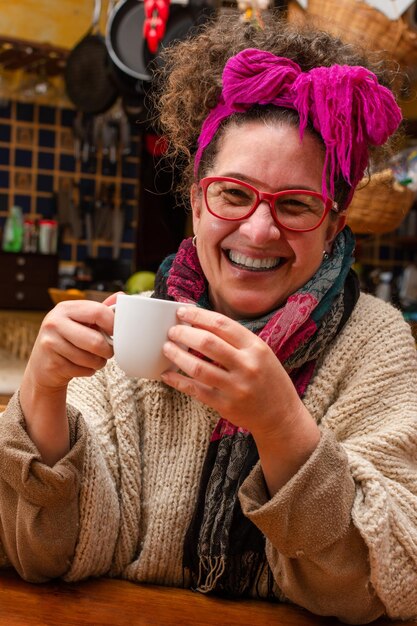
[96, 14]
[110, 7]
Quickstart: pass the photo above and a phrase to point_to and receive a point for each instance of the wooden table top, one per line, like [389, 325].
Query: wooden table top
[105, 602]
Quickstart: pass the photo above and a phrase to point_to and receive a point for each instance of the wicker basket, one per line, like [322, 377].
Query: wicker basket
[379, 205]
[18, 332]
[357, 22]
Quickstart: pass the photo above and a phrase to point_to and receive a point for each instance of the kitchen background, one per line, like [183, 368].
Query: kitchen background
[86, 200]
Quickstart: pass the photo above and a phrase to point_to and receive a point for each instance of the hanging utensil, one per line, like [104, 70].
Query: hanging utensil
[114, 137]
[88, 80]
[117, 222]
[78, 132]
[75, 211]
[106, 139]
[88, 210]
[88, 140]
[130, 56]
[102, 213]
[125, 135]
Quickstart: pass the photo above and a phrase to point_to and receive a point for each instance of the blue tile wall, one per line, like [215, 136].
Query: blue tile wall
[45, 206]
[47, 115]
[4, 180]
[4, 202]
[25, 112]
[66, 163]
[46, 160]
[5, 132]
[4, 156]
[45, 183]
[67, 117]
[37, 154]
[23, 158]
[23, 201]
[6, 110]
[46, 138]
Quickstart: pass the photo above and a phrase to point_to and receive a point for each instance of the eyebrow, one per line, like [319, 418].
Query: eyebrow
[248, 180]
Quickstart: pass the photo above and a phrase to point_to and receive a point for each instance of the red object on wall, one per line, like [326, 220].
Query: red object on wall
[154, 26]
[156, 145]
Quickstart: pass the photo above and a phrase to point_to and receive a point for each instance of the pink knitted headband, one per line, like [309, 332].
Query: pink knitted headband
[346, 105]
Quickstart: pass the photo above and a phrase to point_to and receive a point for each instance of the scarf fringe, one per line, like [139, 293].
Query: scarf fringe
[213, 567]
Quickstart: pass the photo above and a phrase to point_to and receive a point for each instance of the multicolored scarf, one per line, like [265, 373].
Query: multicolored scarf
[223, 550]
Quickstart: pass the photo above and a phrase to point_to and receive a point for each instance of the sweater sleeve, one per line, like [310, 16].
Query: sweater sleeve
[342, 533]
[68, 520]
[38, 503]
[64, 520]
[106, 542]
[314, 550]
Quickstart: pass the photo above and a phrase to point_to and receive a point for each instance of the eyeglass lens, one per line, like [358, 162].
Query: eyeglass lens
[233, 200]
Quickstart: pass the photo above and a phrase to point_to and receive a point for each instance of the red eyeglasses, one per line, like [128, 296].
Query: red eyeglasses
[298, 210]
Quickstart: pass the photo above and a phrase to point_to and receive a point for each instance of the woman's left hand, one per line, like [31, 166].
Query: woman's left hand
[243, 380]
[246, 384]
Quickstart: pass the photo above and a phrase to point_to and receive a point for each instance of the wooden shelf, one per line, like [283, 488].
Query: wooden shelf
[401, 240]
[32, 57]
[389, 251]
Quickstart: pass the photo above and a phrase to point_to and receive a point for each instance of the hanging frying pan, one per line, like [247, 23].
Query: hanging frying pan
[128, 48]
[88, 79]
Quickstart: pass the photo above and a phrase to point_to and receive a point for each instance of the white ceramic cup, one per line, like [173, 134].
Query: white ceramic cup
[141, 326]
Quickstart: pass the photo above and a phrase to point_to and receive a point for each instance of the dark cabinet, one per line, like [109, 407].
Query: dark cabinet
[25, 279]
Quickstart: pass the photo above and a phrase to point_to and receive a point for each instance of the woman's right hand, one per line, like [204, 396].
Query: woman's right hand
[69, 344]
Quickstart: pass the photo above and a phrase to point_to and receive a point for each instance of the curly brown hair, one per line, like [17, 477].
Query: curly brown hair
[189, 79]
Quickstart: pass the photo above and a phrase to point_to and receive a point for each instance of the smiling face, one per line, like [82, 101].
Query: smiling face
[252, 265]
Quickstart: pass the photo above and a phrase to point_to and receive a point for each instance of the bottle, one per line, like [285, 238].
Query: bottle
[48, 231]
[383, 289]
[28, 228]
[13, 231]
[408, 285]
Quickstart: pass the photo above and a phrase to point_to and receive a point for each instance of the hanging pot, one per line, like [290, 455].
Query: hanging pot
[127, 47]
[88, 79]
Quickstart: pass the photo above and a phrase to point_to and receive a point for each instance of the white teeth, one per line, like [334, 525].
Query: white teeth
[247, 261]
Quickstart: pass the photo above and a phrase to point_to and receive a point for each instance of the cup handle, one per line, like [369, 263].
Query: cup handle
[107, 337]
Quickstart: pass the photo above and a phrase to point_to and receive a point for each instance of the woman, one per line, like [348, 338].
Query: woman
[280, 460]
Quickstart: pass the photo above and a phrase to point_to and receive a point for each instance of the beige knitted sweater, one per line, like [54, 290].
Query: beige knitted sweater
[341, 534]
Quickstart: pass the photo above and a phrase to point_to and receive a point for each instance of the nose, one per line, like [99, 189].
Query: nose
[260, 227]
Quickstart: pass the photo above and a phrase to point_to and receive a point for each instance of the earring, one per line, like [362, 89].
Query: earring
[326, 255]
[194, 241]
